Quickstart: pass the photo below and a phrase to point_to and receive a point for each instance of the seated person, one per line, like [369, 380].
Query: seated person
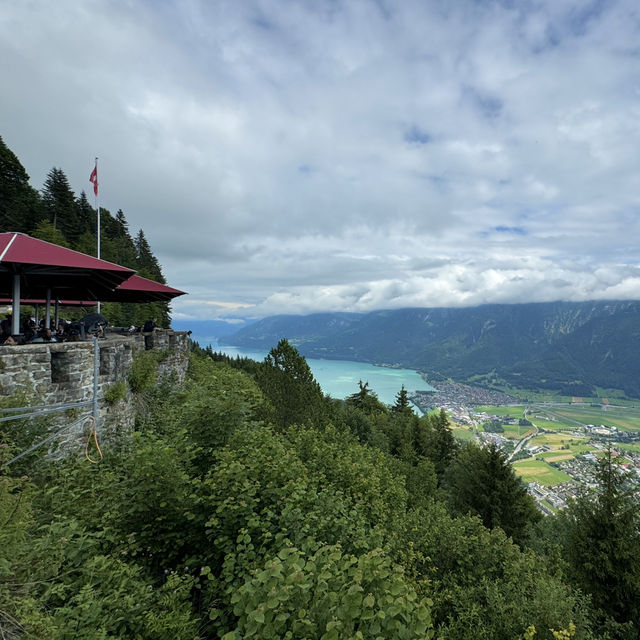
[5, 327]
[29, 329]
[60, 331]
[93, 324]
[44, 335]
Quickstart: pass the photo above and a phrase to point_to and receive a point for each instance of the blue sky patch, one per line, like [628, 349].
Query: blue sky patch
[519, 231]
[489, 105]
[415, 135]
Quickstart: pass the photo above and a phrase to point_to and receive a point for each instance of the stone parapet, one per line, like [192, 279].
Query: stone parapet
[54, 373]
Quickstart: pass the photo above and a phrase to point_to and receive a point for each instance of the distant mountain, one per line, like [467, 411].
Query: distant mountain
[210, 330]
[572, 348]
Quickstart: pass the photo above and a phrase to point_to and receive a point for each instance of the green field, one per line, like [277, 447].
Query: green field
[462, 433]
[562, 417]
[556, 440]
[536, 415]
[627, 446]
[620, 458]
[543, 421]
[514, 431]
[516, 411]
[539, 471]
[549, 506]
[557, 455]
[623, 418]
[575, 448]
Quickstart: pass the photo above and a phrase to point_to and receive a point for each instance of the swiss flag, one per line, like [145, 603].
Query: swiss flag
[94, 179]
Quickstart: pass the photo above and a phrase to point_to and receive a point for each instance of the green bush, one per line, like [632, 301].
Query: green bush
[204, 523]
[329, 595]
[115, 392]
[144, 371]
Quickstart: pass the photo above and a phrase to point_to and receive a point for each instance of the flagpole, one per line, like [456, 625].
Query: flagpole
[98, 211]
[94, 176]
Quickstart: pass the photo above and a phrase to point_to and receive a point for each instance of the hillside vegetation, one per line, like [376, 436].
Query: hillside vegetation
[571, 348]
[249, 505]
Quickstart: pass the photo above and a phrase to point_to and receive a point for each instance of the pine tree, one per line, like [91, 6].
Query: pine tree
[87, 222]
[19, 202]
[60, 205]
[86, 243]
[286, 379]
[402, 404]
[603, 546]
[480, 481]
[147, 266]
[366, 400]
[434, 439]
[47, 232]
[447, 445]
[147, 263]
[127, 256]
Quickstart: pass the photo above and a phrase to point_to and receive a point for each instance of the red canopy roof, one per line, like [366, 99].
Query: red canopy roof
[62, 303]
[139, 289]
[43, 266]
[32, 269]
[23, 249]
[135, 289]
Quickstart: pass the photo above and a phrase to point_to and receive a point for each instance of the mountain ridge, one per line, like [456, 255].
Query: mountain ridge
[573, 348]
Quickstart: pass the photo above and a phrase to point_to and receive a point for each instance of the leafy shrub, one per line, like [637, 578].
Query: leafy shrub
[18, 435]
[329, 595]
[215, 402]
[482, 585]
[86, 594]
[144, 371]
[115, 392]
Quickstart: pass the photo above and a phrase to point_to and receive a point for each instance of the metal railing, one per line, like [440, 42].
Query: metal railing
[30, 412]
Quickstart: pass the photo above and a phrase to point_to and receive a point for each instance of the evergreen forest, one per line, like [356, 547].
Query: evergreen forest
[247, 504]
[55, 214]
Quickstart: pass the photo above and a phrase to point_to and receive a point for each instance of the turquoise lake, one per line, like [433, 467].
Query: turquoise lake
[339, 378]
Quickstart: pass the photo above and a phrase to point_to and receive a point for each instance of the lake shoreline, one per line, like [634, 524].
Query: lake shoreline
[339, 378]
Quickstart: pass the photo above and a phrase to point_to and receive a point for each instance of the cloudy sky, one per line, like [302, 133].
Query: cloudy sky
[291, 156]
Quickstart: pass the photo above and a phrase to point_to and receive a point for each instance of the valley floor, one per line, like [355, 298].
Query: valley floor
[554, 446]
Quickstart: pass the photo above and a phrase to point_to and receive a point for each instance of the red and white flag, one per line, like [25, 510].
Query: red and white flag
[93, 178]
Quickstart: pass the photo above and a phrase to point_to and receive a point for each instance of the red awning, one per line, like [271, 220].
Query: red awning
[135, 289]
[43, 266]
[41, 301]
[34, 269]
[139, 289]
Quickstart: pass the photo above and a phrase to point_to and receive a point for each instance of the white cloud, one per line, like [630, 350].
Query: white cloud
[289, 157]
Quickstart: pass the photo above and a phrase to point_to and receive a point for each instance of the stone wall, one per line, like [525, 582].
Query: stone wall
[55, 373]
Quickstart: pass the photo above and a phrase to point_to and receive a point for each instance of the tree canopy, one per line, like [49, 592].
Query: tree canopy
[19, 202]
[480, 481]
[603, 546]
[227, 516]
[286, 380]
